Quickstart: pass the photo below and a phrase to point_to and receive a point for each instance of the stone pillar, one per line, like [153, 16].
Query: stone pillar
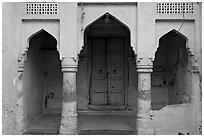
[19, 101]
[69, 108]
[144, 122]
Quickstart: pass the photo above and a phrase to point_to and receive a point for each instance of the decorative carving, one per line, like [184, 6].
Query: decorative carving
[21, 61]
[175, 7]
[41, 8]
[68, 65]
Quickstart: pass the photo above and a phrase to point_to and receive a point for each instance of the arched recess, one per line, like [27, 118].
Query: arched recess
[171, 78]
[36, 32]
[31, 28]
[42, 77]
[186, 31]
[106, 55]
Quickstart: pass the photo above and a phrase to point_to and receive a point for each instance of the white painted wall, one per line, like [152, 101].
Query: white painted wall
[124, 12]
[10, 35]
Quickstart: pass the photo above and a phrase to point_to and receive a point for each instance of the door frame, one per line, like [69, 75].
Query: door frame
[125, 72]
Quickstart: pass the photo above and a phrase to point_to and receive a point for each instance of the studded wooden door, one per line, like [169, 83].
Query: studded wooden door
[107, 86]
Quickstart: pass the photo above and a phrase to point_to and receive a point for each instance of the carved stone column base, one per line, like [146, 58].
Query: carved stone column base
[144, 126]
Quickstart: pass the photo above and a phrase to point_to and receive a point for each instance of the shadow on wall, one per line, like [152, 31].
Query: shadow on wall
[42, 76]
[171, 79]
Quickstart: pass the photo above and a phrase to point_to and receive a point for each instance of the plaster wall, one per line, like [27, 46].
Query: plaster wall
[68, 31]
[10, 39]
[146, 29]
[173, 119]
[89, 12]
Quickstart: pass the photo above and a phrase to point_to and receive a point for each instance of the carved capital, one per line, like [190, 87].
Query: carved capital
[69, 64]
[145, 65]
[69, 68]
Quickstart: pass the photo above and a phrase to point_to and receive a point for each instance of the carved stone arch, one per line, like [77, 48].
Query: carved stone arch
[39, 31]
[23, 57]
[99, 28]
[91, 22]
[184, 33]
[35, 32]
[110, 14]
[82, 50]
[28, 32]
[176, 33]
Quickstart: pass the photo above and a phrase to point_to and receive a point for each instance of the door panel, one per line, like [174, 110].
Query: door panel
[116, 78]
[99, 72]
[107, 72]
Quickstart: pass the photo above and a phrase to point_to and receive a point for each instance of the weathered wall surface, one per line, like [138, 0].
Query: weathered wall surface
[53, 82]
[173, 119]
[171, 72]
[10, 29]
[186, 71]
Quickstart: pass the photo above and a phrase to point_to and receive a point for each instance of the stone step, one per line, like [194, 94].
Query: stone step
[122, 113]
[106, 124]
[106, 132]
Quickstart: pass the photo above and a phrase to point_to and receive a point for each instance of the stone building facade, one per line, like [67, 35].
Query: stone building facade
[138, 60]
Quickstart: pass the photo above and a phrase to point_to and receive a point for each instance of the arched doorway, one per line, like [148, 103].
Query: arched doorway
[42, 81]
[105, 58]
[171, 78]
[106, 79]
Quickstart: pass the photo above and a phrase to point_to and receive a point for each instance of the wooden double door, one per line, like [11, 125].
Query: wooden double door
[107, 72]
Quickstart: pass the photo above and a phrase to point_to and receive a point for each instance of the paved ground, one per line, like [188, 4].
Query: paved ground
[110, 124]
[48, 124]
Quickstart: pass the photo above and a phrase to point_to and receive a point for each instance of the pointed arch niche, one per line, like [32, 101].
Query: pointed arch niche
[42, 77]
[171, 78]
[32, 27]
[102, 37]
